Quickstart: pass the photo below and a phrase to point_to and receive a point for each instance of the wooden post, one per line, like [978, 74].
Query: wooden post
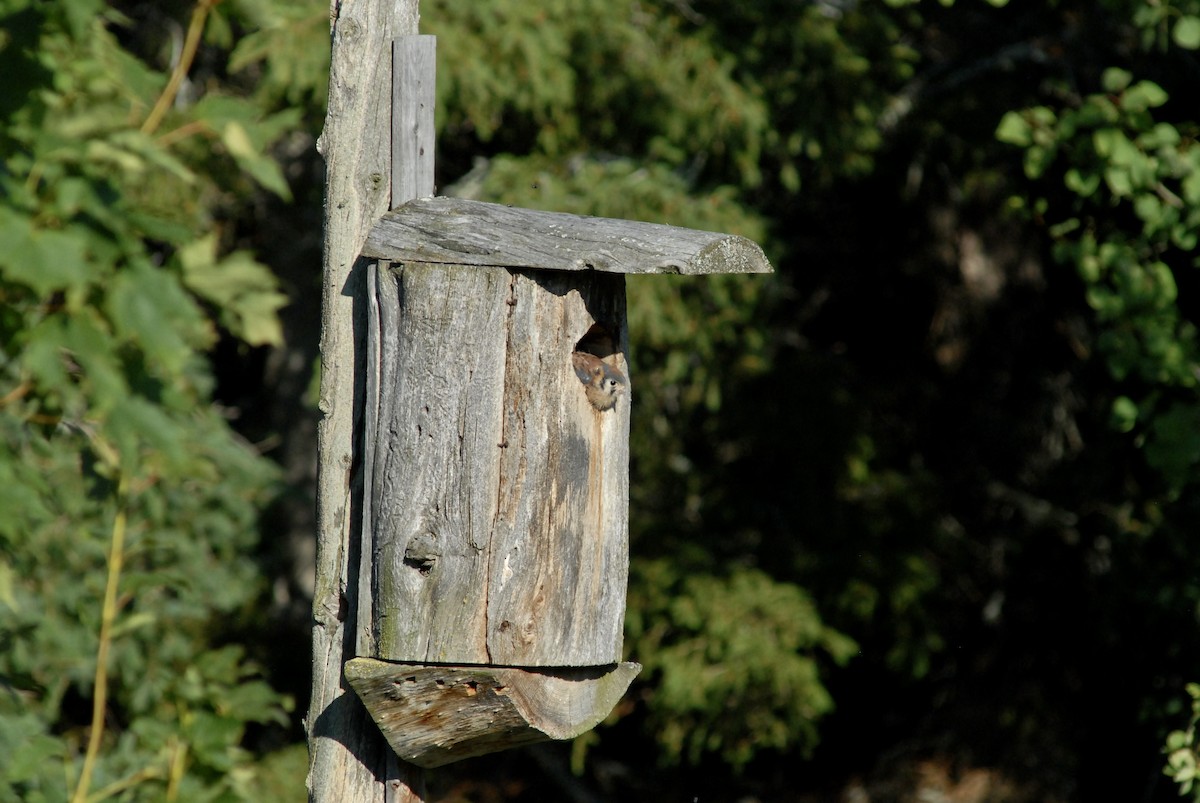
[349, 761]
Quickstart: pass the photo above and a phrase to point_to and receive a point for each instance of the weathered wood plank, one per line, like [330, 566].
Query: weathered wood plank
[435, 479]
[434, 715]
[413, 101]
[560, 552]
[462, 232]
[381, 296]
[499, 493]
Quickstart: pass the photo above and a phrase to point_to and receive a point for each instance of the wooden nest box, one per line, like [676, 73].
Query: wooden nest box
[495, 518]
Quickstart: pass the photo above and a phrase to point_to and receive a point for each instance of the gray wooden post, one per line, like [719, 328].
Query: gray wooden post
[349, 762]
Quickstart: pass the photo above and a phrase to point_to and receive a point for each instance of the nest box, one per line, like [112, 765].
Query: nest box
[495, 518]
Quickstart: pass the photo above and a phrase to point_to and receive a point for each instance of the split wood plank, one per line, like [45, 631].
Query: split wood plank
[463, 232]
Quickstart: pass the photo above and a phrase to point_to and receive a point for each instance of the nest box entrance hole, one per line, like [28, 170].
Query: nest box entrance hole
[598, 341]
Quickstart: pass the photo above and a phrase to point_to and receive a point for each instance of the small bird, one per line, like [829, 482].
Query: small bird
[602, 384]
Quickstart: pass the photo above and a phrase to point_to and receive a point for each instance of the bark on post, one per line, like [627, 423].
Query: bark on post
[348, 759]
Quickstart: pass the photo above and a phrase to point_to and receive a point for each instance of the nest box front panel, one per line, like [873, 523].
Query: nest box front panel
[560, 540]
[497, 518]
[441, 381]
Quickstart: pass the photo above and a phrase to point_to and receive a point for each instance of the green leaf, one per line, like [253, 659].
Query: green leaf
[1014, 129]
[90, 344]
[26, 748]
[1110, 141]
[1037, 160]
[136, 425]
[1082, 184]
[1142, 96]
[81, 15]
[1166, 291]
[243, 290]
[286, 40]
[1177, 740]
[1185, 237]
[105, 152]
[1115, 79]
[1186, 32]
[1161, 135]
[133, 622]
[1124, 414]
[72, 359]
[1118, 180]
[149, 307]
[1191, 187]
[150, 153]
[261, 167]
[1149, 208]
[45, 260]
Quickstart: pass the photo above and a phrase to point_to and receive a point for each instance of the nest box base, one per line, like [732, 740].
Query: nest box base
[435, 715]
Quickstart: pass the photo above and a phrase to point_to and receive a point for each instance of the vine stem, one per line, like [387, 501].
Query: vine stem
[108, 614]
[186, 57]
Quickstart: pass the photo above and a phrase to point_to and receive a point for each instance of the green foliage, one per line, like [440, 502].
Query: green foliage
[113, 460]
[831, 74]
[1122, 166]
[735, 661]
[1129, 223]
[1183, 753]
[577, 75]
[286, 50]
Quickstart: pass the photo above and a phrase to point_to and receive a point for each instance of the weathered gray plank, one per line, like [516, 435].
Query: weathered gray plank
[463, 232]
[381, 296]
[413, 100]
[499, 493]
[434, 715]
[435, 482]
[560, 554]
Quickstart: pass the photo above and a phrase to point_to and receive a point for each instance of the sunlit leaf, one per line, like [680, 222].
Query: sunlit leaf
[45, 260]
[149, 307]
[1186, 32]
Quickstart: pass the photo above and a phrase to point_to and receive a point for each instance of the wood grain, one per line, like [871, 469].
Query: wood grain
[413, 133]
[498, 493]
[434, 715]
[464, 232]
